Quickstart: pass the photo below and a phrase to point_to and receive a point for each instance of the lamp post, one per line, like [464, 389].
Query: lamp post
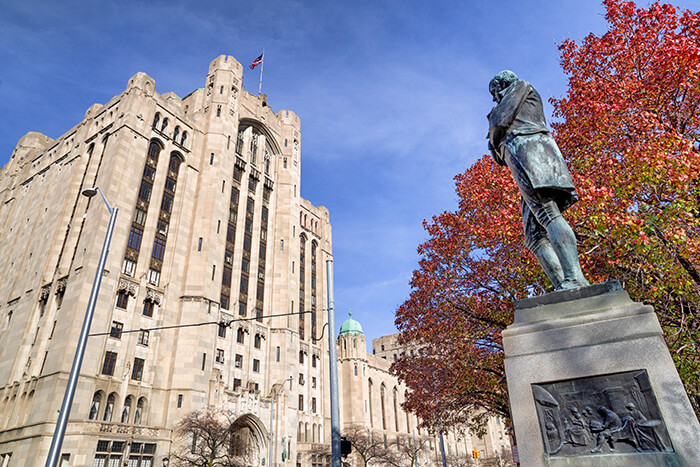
[57, 441]
[272, 415]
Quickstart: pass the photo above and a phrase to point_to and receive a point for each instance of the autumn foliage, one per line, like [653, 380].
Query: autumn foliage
[629, 129]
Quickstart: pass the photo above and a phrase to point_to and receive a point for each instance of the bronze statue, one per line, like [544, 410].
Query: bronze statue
[520, 140]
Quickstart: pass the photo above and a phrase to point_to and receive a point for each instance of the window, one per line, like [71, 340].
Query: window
[137, 370]
[167, 203]
[313, 382]
[109, 363]
[174, 164]
[162, 227]
[176, 133]
[222, 330]
[156, 119]
[164, 125]
[148, 306]
[143, 337]
[204, 361]
[242, 309]
[109, 408]
[277, 357]
[236, 383]
[244, 285]
[158, 249]
[219, 356]
[226, 276]
[240, 336]
[237, 174]
[170, 184]
[301, 356]
[139, 217]
[301, 402]
[128, 267]
[224, 301]
[149, 172]
[250, 205]
[153, 277]
[313, 404]
[126, 410]
[122, 299]
[313, 361]
[94, 407]
[257, 341]
[256, 365]
[239, 361]
[184, 138]
[179, 401]
[139, 410]
[135, 236]
[116, 330]
[145, 191]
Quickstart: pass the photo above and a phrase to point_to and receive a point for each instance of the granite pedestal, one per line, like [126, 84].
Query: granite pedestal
[591, 383]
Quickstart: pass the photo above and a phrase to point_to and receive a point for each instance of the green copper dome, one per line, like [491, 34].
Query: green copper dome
[350, 325]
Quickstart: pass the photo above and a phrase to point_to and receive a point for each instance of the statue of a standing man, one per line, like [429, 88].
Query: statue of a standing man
[520, 140]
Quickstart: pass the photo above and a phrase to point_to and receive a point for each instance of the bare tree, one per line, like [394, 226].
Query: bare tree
[366, 446]
[207, 440]
[404, 452]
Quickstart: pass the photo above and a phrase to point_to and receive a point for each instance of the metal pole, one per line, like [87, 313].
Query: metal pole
[262, 65]
[335, 410]
[442, 443]
[415, 448]
[57, 442]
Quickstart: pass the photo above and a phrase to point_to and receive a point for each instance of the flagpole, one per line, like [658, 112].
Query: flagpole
[262, 65]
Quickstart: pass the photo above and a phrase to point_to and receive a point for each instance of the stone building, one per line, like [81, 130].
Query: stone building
[211, 229]
[371, 397]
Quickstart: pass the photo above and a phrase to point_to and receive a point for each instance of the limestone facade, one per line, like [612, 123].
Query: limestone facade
[211, 229]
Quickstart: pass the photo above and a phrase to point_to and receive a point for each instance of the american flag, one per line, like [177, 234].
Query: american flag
[257, 61]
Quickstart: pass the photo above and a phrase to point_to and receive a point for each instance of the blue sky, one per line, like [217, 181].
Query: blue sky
[392, 96]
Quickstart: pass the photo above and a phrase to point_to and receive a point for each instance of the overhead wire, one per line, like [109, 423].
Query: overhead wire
[223, 322]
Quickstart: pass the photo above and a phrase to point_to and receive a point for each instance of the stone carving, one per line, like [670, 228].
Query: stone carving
[44, 294]
[519, 139]
[129, 287]
[61, 285]
[600, 414]
[154, 296]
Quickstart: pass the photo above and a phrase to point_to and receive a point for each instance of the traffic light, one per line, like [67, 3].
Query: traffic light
[345, 447]
[475, 453]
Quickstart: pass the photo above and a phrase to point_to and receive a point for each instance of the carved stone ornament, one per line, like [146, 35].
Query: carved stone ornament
[129, 287]
[600, 415]
[44, 293]
[61, 285]
[153, 296]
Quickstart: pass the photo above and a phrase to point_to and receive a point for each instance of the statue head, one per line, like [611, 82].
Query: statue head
[500, 82]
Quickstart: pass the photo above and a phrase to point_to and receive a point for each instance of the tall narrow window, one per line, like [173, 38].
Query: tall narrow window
[144, 197]
[109, 363]
[137, 369]
[166, 209]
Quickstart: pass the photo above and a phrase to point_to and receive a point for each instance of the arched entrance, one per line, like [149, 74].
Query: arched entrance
[249, 440]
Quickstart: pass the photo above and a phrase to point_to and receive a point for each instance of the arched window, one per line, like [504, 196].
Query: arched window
[140, 407]
[176, 133]
[109, 408]
[299, 432]
[156, 119]
[396, 409]
[306, 432]
[382, 393]
[313, 433]
[371, 417]
[184, 138]
[164, 125]
[95, 406]
[126, 410]
[355, 369]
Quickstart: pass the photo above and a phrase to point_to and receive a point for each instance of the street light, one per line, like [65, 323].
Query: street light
[57, 441]
[275, 393]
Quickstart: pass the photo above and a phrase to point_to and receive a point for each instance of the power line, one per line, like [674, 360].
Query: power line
[223, 322]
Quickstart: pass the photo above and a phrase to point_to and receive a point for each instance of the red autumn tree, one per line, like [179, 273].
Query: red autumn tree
[629, 127]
